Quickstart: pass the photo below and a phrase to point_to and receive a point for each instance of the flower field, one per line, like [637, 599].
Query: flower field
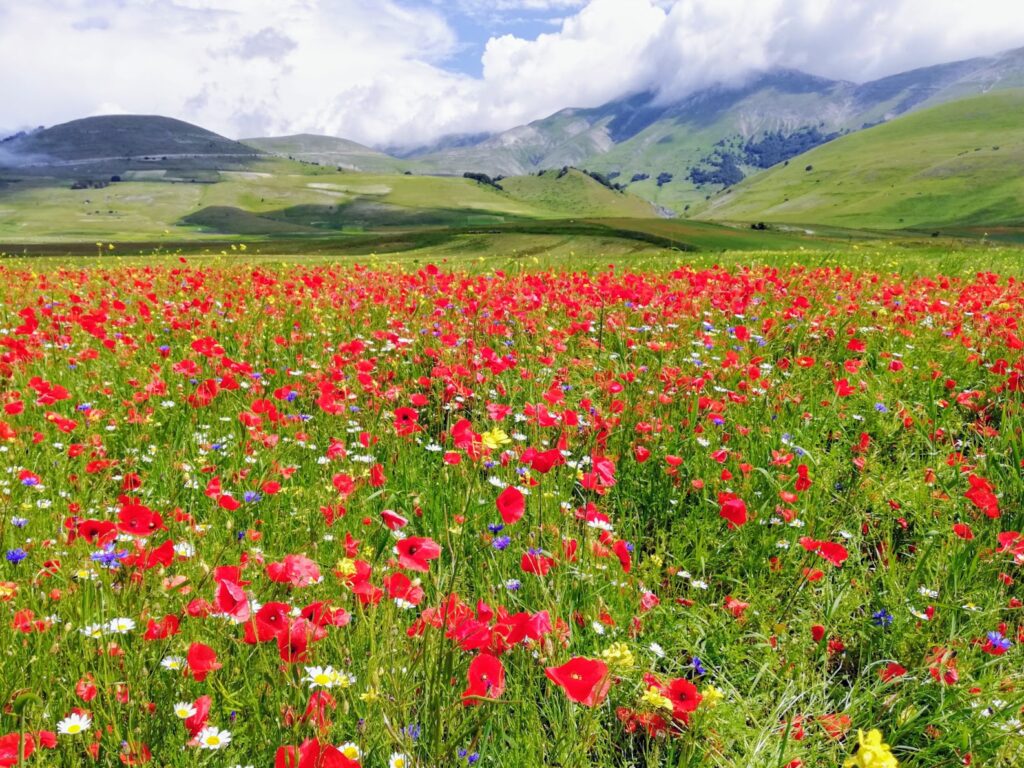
[337, 515]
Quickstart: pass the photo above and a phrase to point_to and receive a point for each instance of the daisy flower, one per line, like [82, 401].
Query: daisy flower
[184, 710]
[120, 626]
[95, 631]
[173, 663]
[212, 737]
[399, 760]
[72, 725]
[350, 750]
[321, 677]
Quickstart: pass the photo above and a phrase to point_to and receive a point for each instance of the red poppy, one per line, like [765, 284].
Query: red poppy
[681, 692]
[198, 721]
[585, 681]
[511, 505]
[486, 680]
[139, 520]
[201, 661]
[416, 552]
[733, 509]
[297, 570]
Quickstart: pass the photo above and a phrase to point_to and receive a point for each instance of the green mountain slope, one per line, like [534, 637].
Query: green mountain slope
[955, 164]
[711, 139]
[329, 151]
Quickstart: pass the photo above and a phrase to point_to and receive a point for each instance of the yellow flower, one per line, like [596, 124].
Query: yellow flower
[346, 567]
[494, 439]
[618, 655]
[712, 696]
[654, 699]
[369, 696]
[872, 752]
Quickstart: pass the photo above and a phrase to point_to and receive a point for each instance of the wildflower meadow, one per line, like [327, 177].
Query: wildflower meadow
[323, 515]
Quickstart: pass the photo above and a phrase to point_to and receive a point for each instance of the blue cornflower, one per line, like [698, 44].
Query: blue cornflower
[412, 731]
[108, 557]
[251, 497]
[881, 618]
[30, 481]
[19, 522]
[880, 407]
[495, 528]
[512, 585]
[698, 668]
[15, 556]
[501, 542]
[997, 640]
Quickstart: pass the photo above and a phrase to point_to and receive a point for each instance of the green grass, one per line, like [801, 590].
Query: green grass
[956, 165]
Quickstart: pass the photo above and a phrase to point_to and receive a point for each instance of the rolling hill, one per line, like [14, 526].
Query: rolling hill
[296, 200]
[957, 164]
[116, 144]
[330, 151]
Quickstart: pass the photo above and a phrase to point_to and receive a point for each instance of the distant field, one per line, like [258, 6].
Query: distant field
[279, 198]
[956, 165]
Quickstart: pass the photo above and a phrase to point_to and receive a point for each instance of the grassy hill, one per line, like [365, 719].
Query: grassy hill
[292, 199]
[574, 193]
[117, 144]
[955, 164]
[330, 151]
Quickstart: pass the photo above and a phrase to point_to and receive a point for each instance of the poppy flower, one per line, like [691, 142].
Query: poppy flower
[511, 505]
[296, 570]
[201, 661]
[732, 509]
[415, 553]
[486, 679]
[585, 681]
[139, 520]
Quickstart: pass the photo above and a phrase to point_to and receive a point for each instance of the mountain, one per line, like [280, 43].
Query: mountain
[330, 151]
[678, 153]
[115, 144]
[957, 164]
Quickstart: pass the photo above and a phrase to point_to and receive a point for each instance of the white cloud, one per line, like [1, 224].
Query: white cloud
[374, 70]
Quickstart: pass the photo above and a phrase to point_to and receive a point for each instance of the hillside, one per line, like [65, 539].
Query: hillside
[573, 193]
[316, 202]
[114, 144]
[955, 164]
[330, 151]
[713, 138]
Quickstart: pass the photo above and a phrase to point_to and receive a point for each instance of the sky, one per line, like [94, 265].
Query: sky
[406, 72]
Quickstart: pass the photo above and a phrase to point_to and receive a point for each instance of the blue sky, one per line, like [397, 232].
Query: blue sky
[405, 72]
[474, 26]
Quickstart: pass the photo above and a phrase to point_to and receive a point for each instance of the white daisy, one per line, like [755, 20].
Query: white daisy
[321, 677]
[173, 663]
[350, 750]
[398, 760]
[120, 626]
[72, 725]
[184, 710]
[212, 737]
[95, 631]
